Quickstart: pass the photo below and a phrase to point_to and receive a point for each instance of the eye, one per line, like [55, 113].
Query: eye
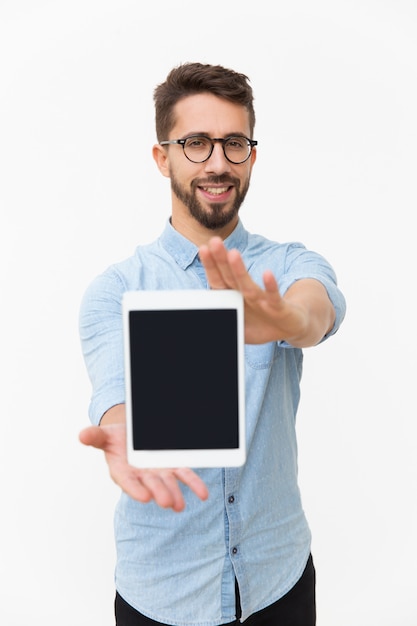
[197, 143]
[237, 143]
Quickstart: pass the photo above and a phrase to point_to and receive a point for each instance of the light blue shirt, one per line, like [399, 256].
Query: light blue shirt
[180, 568]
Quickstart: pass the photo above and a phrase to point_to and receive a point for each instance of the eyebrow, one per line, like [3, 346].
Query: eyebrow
[205, 134]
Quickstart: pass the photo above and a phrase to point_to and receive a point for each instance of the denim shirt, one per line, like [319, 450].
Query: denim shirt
[180, 568]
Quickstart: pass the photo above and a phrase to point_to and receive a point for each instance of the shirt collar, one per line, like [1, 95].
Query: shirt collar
[184, 252]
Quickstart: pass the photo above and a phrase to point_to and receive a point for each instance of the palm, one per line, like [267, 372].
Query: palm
[143, 485]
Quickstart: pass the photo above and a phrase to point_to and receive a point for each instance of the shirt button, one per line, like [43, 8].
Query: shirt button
[231, 499]
[234, 550]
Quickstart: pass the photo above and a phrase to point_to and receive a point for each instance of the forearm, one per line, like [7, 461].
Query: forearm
[316, 313]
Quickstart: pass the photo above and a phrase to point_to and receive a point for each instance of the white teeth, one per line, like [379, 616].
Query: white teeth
[215, 191]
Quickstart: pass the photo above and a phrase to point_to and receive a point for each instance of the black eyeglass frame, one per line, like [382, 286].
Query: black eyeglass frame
[251, 143]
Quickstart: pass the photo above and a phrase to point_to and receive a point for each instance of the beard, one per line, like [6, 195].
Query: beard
[216, 215]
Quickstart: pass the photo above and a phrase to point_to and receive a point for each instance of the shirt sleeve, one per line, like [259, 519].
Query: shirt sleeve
[101, 334]
[302, 263]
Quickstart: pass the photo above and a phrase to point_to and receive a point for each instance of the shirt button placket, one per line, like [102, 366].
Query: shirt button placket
[231, 500]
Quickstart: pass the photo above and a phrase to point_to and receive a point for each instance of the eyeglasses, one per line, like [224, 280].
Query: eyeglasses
[199, 148]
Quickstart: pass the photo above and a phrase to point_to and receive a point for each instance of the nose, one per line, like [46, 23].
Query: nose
[217, 163]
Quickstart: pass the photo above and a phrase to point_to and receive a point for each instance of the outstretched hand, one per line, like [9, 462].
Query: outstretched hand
[143, 485]
[301, 317]
[267, 316]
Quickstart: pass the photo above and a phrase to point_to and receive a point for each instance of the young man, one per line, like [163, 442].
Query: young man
[213, 546]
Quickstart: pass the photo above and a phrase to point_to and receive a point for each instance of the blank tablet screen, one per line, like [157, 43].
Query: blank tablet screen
[184, 379]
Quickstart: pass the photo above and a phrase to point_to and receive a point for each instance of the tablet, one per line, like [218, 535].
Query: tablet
[184, 377]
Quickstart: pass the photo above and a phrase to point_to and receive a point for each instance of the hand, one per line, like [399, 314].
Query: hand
[143, 485]
[301, 317]
[267, 316]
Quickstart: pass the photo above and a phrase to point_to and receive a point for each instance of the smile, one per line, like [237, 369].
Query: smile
[215, 191]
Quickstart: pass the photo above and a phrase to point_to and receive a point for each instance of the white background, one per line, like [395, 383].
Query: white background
[336, 101]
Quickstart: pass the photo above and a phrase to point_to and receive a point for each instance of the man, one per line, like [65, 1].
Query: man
[213, 546]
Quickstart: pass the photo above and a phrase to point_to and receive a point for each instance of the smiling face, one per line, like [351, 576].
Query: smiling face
[206, 197]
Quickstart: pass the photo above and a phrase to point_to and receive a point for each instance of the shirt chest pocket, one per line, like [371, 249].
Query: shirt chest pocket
[261, 356]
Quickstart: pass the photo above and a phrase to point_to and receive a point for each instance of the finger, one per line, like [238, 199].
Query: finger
[220, 257]
[93, 436]
[193, 482]
[108, 438]
[243, 281]
[164, 489]
[252, 293]
[132, 484]
[270, 283]
[214, 277]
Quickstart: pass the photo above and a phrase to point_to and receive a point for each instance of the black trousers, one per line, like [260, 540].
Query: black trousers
[296, 608]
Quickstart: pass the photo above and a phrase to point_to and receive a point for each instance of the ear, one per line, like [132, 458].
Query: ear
[160, 155]
[253, 156]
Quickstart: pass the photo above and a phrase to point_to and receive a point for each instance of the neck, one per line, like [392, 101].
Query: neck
[198, 234]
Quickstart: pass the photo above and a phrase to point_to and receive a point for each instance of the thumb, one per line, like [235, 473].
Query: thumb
[93, 436]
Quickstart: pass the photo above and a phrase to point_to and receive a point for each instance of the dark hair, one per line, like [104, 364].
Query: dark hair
[192, 78]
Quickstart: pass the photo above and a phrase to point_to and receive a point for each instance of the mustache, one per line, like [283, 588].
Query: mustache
[222, 179]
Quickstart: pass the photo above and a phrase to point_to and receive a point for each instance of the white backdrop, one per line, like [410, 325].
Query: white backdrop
[336, 101]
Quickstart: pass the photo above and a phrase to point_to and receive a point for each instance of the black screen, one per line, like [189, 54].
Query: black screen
[184, 379]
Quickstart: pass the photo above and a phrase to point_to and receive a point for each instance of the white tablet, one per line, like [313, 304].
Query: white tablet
[184, 360]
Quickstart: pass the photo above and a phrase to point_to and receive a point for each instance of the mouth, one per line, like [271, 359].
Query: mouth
[220, 193]
[215, 191]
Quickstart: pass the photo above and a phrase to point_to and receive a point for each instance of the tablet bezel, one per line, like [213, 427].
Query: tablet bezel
[173, 300]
